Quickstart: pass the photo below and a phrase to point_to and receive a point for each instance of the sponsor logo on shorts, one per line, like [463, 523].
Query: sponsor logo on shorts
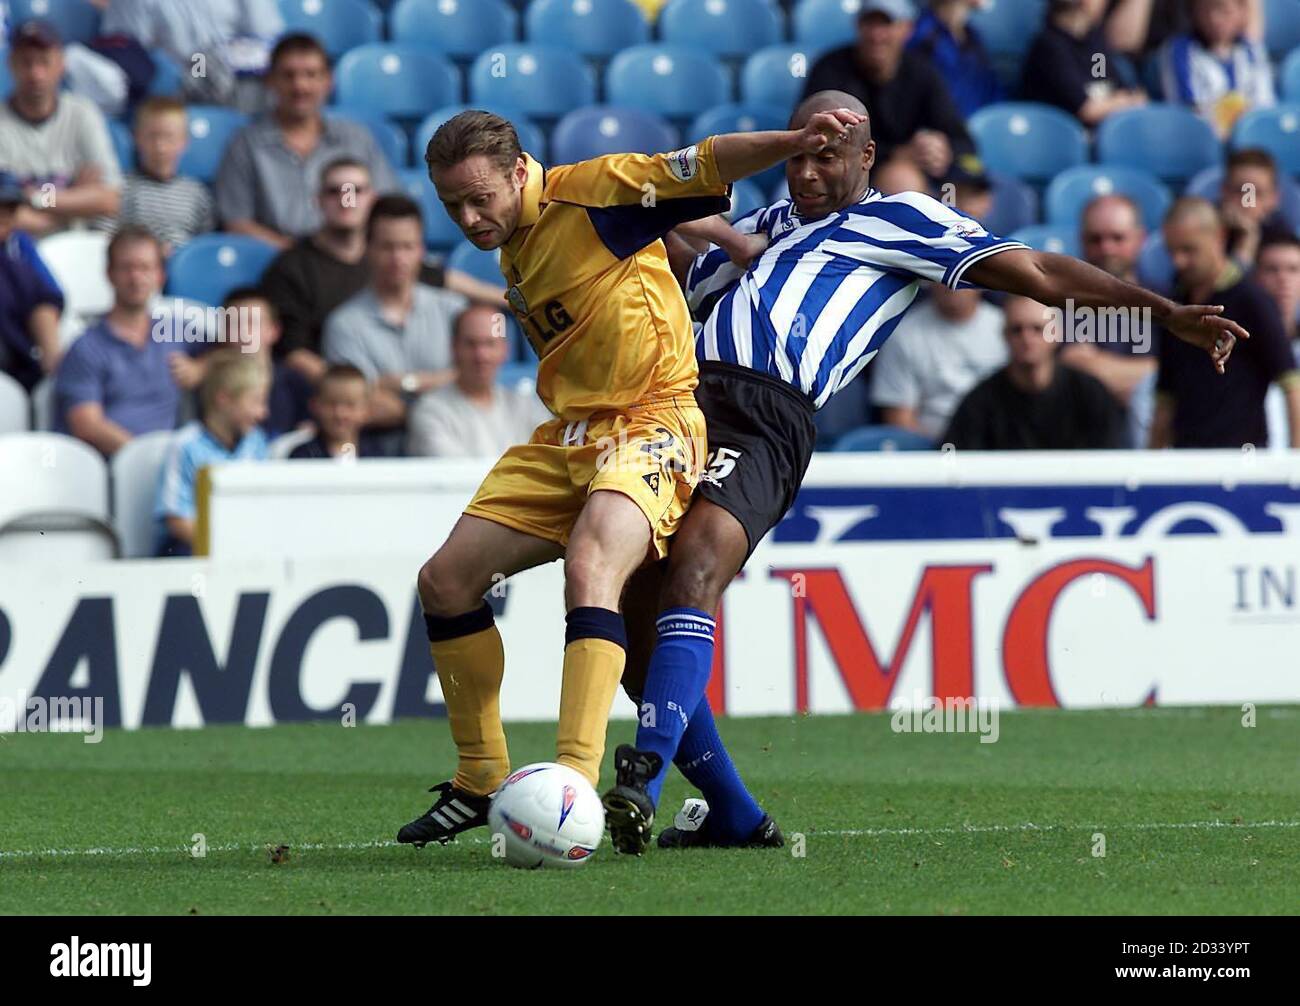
[652, 480]
[684, 163]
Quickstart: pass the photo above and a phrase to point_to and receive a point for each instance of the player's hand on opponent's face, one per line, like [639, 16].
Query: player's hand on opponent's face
[824, 128]
[1205, 327]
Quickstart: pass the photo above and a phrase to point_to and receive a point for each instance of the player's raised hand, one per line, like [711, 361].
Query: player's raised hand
[824, 128]
[1203, 326]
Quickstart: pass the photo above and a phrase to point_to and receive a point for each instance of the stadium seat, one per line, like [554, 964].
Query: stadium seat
[1027, 140]
[1072, 190]
[742, 119]
[746, 197]
[531, 138]
[1277, 130]
[211, 265]
[1049, 238]
[1007, 27]
[6, 82]
[1170, 141]
[1208, 184]
[211, 128]
[678, 82]
[389, 135]
[1015, 205]
[604, 129]
[593, 28]
[133, 480]
[1155, 269]
[775, 76]
[55, 507]
[730, 29]
[825, 24]
[282, 446]
[457, 28]
[167, 80]
[1281, 27]
[396, 79]
[780, 191]
[15, 407]
[882, 438]
[123, 144]
[542, 81]
[439, 231]
[519, 374]
[339, 24]
[79, 262]
[76, 20]
[1290, 78]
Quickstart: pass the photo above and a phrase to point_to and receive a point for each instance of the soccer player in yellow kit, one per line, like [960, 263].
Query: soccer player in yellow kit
[605, 483]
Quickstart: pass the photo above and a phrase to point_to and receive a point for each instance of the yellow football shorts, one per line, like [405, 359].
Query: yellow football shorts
[652, 454]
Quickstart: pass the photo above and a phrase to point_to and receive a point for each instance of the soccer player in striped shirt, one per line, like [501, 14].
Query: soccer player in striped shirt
[795, 300]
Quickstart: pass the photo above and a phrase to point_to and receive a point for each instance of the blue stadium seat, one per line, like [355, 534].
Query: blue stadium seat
[1049, 238]
[1277, 130]
[1027, 140]
[775, 75]
[439, 231]
[486, 267]
[515, 372]
[679, 82]
[882, 438]
[542, 81]
[1209, 184]
[1007, 27]
[607, 129]
[593, 28]
[211, 265]
[1290, 75]
[339, 24]
[123, 143]
[1170, 141]
[76, 20]
[1155, 269]
[729, 29]
[389, 135]
[211, 128]
[742, 119]
[1072, 190]
[1281, 26]
[746, 196]
[458, 28]
[1015, 205]
[825, 24]
[532, 139]
[397, 80]
[167, 80]
[6, 82]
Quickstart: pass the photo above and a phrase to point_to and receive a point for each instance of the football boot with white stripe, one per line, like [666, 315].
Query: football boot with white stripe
[453, 812]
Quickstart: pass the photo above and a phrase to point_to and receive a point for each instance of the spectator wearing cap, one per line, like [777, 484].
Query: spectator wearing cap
[56, 144]
[474, 416]
[943, 35]
[1070, 65]
[121, 378]
[1195, 405]
[396, 331]
[1251, 203]
[912, 113]
[967, 187]
[1221, 67]
[30, 299]
[270, 173]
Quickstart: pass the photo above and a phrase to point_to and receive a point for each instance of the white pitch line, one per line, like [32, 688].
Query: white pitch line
[971, 829]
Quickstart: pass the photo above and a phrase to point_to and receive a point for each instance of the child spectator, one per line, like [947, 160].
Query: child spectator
[340, 407]
[1251, 204]
[233, 397]
[257, 330]
[1277, 270]
[154, 196]
[1220, 67]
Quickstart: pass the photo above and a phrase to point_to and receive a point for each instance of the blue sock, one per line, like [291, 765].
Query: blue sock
[702, 759]
[674, 684]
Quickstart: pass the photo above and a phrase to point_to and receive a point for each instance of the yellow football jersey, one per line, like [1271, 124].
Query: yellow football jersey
[589, 280]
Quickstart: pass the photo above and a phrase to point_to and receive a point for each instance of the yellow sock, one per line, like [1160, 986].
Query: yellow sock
[470, 669]
[592, 671]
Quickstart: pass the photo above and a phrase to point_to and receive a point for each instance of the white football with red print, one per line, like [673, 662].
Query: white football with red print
[546, 815]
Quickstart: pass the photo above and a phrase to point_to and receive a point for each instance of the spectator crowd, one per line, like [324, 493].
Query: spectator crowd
[359, 339]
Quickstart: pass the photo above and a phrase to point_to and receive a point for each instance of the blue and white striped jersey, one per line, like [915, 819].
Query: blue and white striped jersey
[819, 303]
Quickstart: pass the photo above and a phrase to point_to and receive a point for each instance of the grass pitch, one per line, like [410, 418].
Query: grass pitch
[1200, 815]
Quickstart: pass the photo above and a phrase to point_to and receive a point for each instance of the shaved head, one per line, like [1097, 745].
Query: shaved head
[1194, 212]
[836, 176]
[828, 101]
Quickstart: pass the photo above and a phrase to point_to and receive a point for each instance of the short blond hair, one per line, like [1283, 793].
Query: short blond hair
[233, 372]
[158, 106]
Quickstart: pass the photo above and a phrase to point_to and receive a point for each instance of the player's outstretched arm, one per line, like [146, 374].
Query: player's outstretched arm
[1054, 279]
[740, 155]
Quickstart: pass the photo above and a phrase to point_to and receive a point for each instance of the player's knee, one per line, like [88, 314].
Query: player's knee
[696, 583]
[589, 579]
[442, 589]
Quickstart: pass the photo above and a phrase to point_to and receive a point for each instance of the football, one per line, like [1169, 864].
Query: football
[546, 815]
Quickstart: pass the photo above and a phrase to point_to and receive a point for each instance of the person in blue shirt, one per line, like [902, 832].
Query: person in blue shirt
[30, 299]
[945, 36]
[234, 396]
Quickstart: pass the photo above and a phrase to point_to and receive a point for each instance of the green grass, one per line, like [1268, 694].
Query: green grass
[892, 823]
